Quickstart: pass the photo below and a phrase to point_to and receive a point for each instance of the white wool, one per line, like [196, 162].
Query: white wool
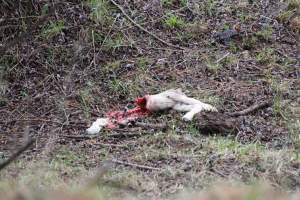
[97, 125]
[177, 100]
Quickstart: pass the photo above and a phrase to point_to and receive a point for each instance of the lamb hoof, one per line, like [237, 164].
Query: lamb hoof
[187, 118]
[210, 108]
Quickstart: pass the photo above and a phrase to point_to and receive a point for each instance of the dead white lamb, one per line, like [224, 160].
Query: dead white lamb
[171, 99]
[174, 99]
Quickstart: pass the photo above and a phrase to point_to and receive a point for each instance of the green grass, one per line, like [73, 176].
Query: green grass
[143, 63]
[210, 7]
[3, 82]
[212, 66]
[112, 66]
[224, 146]
[125, 89]
[278, 88]
[294, 4]
[266, 56]
[66, 157]
[290, 16]
[230, 60]
[118, 86]
[44, 174]
[173, 22]
[85, 99]
[283, 111]
[284, 16]
[234, 47]
[169, 3]
[98, 36]
[101, 12]
[249, 42]
[265, 34]
[114, 43]
[65, 168]
[45, 9]
[295, 23]
[53, 29]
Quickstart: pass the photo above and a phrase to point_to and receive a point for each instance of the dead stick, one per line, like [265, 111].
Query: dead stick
[149, 125]
[109, 145]
[16, 154]
[122, 135]
[142, 28]
[78, 137]
[46, 121]
[135, 165]
[251, 108]
[34, 120]
[223, 57]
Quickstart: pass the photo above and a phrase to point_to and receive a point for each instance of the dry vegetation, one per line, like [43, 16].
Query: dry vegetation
[64, 63]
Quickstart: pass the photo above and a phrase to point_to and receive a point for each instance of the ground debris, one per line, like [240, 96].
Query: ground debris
[224, 37]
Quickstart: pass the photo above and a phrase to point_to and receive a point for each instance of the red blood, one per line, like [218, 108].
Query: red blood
[123, 117]
[141, 102]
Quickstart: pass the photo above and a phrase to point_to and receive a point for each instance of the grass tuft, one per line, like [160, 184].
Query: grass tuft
[53, 29]
[266, 56]
[294, 4]
[101, 12]
[173, 22]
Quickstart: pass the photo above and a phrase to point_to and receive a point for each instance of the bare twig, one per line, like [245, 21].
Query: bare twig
[87, 137]
[94, 49]
[78, 124]
[142, 28]
[16, 154]
[161, 126]
[111, 28]
[109, 145]
[135, 165]
[251, 109]
[223, 57]
[122, 135]
[78, 137]
[34, 120]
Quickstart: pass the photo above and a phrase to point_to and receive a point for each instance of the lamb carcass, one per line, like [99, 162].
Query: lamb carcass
[171, 99]
[174, 99]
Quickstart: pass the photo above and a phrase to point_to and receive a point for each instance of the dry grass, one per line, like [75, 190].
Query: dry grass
[85, 58]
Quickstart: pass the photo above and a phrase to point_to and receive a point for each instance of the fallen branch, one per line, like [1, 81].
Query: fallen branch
[225, 123]
[78, 137]
[142, 28]
[16, 154]
[135, 165]
[251, 109]
[210, 123]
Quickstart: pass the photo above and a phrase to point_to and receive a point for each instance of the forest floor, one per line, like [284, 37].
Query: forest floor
[65, 63]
